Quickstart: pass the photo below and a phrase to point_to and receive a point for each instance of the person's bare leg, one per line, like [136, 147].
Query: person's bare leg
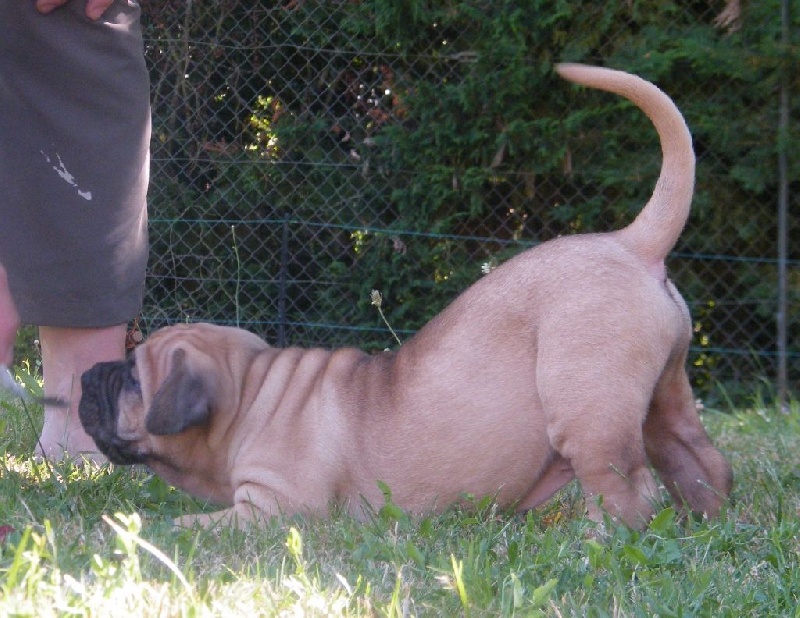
[9, 321]
[66, 354]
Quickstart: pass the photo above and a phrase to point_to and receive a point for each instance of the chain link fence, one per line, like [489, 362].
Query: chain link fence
[306, 153]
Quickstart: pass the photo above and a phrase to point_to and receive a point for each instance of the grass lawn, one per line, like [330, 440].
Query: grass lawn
[98, 541]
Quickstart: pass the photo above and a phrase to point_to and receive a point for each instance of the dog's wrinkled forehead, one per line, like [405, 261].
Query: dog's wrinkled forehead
[197, 336]
[155, 356]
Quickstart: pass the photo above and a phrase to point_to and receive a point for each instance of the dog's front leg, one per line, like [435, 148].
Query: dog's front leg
[224, 519]
[253, 504]
[240, 516]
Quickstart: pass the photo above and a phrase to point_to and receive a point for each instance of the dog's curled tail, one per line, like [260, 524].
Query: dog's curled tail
[656, 229]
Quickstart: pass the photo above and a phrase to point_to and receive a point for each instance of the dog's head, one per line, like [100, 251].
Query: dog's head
[157, 403]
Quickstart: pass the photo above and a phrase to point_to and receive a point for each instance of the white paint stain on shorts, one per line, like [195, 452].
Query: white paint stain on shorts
[62, 171]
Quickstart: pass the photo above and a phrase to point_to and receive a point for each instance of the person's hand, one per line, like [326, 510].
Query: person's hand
[94, 8]
[9, 321]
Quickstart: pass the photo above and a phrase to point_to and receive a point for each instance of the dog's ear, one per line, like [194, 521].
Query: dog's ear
[183, 400]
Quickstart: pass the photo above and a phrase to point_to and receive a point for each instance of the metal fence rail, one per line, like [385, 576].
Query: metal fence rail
[278, 198]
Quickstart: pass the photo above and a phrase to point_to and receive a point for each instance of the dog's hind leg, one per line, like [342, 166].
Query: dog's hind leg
[596, 427]
[617, 481]
[695, 473]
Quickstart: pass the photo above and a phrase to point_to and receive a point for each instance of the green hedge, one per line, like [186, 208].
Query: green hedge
[404, 146]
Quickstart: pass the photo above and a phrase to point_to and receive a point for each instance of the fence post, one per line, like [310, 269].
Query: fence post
[783, 208]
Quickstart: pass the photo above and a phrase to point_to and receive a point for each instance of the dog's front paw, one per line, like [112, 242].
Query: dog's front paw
[227, 518]
[201, 520]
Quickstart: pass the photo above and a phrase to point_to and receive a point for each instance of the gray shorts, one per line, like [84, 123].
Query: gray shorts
[74, 161]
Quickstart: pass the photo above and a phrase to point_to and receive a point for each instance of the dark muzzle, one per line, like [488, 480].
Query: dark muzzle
[99, 409]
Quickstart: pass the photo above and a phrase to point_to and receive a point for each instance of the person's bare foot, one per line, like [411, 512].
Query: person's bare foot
[66, 354]
[63, 437]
